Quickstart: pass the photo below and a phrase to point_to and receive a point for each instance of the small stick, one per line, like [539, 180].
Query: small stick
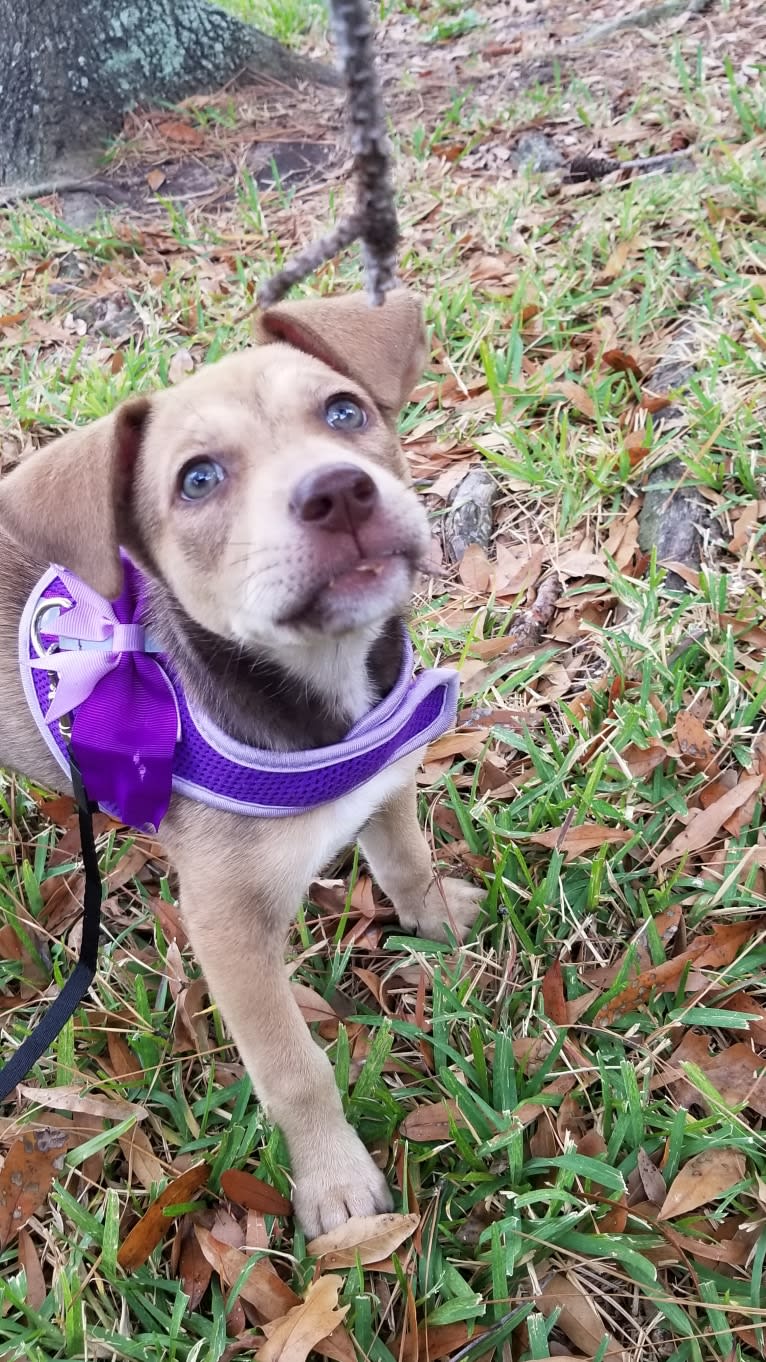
[583, 168]
[374, 219]
[49, 187]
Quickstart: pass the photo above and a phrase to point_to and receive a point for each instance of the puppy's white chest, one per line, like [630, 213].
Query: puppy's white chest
[338, 824]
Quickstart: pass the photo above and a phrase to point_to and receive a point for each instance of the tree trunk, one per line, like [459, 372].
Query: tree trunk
[69, 71]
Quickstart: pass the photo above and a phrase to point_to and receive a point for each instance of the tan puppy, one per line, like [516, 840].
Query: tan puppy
[267, 499]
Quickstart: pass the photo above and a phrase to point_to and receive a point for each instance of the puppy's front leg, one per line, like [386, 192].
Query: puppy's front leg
[399, 858]
[238, 935]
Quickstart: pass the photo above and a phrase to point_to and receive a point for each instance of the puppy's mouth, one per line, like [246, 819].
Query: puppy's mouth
[356, 593]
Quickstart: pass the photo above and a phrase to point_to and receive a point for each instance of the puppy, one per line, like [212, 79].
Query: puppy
[266, 503]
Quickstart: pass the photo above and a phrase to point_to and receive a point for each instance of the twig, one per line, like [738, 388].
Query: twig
[525, 634]
[307, 261]
[641, 18]
[583, 168]
[46, 187]
[374, 219]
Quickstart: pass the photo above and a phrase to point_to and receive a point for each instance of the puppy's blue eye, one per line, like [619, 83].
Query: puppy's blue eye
[199, 479]
[344, 413]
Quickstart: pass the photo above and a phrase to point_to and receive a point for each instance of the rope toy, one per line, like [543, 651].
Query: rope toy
[373, 221]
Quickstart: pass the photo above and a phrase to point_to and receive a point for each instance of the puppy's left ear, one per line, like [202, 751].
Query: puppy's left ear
[67, 504]
[381, 348]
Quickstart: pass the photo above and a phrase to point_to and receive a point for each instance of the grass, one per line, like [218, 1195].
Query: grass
[510, 1200]
[287, 20]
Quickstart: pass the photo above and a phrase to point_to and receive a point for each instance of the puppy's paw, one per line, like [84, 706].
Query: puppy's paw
[337, 1180]
[448, 904]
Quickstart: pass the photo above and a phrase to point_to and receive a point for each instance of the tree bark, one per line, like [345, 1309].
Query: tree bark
[70, 71]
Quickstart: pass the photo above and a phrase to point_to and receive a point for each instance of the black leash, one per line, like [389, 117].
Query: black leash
[78, 983]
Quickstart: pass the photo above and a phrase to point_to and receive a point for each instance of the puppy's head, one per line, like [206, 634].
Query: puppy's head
[267, 491]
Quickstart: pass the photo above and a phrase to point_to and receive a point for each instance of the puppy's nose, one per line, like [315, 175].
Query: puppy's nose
[337, 498]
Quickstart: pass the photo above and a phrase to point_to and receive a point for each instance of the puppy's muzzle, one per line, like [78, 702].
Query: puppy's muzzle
[337, 499]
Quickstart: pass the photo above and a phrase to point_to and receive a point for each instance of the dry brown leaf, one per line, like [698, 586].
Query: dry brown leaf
[702, 1179]
[554, 1002]
[747, 523]
[151, 1228]
[637, 445]
[30, 1261]
[666, 925]
[593, 1146]
[694, 1048]
[622, 543]
[123, 1061]
[733, 1251]
[130, 863]
[694, 742]
[581, 563]
[378, 986]
[432, 1121]
[443, 485]
[641, 761]
[190, 1026]
[476, 571]
[577, 396]
[176, 131]
[721, 786]
[651, 1178]
[515, 574]
[742, 1002]
[723, 944]
[586, 1074]
[370, 1238]
[484, 268]
[437, 1341]
[363, 897]
[576, 841]
[170, 922]
[194, 1269]
[743, 816]
[62, 896]
[654, 402]
[579, 1319]
[714, 951]
[291, 1339]
[74, 1099]
[31, 1164]
[313, 1006]
[737, 1074]
[622, 362]
[617, 260]
[143, 1164]
[263, 1288]
[705, 824]
[11, 946]
[226, 1228]
[467, 744]
[253, 1194]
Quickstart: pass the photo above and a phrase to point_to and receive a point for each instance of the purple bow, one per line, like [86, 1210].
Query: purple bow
[126, 723]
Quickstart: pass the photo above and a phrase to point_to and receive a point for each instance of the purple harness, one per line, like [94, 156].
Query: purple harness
[93, 677]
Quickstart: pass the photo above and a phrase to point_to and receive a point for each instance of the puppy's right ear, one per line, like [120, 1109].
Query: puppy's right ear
[67, 504]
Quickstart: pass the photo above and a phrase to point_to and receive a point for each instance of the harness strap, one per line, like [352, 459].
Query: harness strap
[81, 978]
